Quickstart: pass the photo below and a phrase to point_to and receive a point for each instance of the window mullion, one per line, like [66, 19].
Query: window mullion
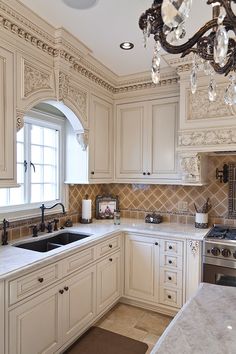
[28, 159]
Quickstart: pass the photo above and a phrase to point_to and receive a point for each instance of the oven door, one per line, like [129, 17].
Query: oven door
[219, 275]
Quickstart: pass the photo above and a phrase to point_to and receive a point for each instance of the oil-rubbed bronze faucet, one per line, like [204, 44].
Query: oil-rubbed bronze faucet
[42, 224]
[5, 232]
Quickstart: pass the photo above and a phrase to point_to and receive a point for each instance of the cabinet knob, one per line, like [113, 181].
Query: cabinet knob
[156, 243]
[61, 291]
[110, 259]
[40, 280]
[169, 278]
[66, 288]
[170, 247]
[92, 172]
[170, 262]
[169, 296]
[148, 173]
[110, 246]
[144, 173]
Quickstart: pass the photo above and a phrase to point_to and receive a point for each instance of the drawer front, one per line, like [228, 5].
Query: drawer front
[171, 278]
[108, 246]
[170, 297]
[79, 260]
[33, 282]
[171, 261]
[173, 247]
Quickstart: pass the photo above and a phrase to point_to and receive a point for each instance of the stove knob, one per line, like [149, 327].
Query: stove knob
[215, 251]
[226, 252]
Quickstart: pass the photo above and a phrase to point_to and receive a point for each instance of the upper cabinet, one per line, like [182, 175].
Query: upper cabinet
[95, 163]
[7, 118]
[146, 141]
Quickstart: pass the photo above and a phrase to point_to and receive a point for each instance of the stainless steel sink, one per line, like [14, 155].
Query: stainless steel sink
[50, 243]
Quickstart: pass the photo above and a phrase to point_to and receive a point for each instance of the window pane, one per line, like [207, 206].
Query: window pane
[20, 152]
[17, 195]
[50, 156]
[50, 174]
[37, 176]
[36, 154]
[20, 135]
[49, 137]
[36, 193]
[4, 196]
[37, 135]
[49, 192]
[20, 173]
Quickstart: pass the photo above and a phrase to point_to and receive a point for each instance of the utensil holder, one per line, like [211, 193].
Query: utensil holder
[201, 220]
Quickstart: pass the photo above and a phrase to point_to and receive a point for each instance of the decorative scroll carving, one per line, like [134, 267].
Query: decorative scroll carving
[35, 80]
[191, 167]
[208, 137]
[200, 107]
[19, 120]
[83, 140]
[63, 85]
[194, 246]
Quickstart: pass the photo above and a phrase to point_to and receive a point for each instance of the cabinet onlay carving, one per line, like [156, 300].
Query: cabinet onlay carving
[19, 120]
[194, 246]
[207, 137]
[190, 167]
[35, 80]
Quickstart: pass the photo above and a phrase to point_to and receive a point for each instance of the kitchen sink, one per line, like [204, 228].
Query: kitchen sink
[53, 242]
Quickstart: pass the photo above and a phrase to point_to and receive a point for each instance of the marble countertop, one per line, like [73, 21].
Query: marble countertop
[206, 324]
[14, 259]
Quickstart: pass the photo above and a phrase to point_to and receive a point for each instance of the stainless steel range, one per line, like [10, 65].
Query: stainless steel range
[219, 256]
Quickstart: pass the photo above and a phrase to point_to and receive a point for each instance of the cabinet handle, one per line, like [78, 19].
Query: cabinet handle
[40, 280]
[144, 173]
[110, 246]
[66, 288]
[170, 247]
[169, 296]
[92, 172]
[170, 262]
[61, 291]
[110, 259]
[169, 278]
[148, 173]
[156, 243]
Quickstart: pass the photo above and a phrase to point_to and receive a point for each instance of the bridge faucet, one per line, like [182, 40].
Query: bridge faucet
[42, 224]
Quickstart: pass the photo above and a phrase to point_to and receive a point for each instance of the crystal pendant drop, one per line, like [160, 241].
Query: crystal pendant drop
[230, 92]
[149, 27]
[145, 37]
[221, 45]
[156, 60]
[207, 68]
[193, 76]
[175, 12]
[212, 90]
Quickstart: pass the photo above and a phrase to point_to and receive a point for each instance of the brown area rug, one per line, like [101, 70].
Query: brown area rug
[100, 341]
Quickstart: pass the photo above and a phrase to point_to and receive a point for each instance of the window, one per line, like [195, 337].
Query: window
[39, 164]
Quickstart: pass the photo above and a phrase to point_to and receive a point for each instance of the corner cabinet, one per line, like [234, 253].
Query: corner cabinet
[7, 118]
[146, 140]
[95, 164]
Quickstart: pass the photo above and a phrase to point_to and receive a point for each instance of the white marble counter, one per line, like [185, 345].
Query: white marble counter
[205, 325]
[13, 259]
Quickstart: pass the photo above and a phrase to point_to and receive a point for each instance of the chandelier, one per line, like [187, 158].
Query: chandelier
[213, 45]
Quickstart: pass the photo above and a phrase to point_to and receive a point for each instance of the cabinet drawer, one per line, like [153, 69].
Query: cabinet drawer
[173, 247]
[171, 261]
[171, 297]
[33, 282]
[78, 260]
[108, 246]
[171, 278]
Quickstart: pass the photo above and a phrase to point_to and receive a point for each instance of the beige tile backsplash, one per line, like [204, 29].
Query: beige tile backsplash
[137, 200]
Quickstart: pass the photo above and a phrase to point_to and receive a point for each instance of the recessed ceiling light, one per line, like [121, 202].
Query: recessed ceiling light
[80, 4]
[127, 45]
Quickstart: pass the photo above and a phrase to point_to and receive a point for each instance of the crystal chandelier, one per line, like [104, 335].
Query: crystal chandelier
[213, 45]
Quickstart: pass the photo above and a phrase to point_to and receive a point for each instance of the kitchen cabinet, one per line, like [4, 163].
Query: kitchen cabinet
[7, 117]
[95, 164]
[2, 330]
[154, 271]
[193, 267]
[146, 141]
[108, 281]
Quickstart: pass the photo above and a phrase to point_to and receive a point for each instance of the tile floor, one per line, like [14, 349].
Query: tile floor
[143, 325]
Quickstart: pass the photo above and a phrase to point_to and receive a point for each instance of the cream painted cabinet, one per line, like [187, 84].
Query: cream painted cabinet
[108, 281]
[146, 141]
[2, 330]
[193, 267]
[7, 118]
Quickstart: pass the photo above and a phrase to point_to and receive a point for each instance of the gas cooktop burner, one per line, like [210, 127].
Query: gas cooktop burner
[222, 232]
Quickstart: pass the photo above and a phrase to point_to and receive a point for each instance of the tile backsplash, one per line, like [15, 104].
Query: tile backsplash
[136, 200]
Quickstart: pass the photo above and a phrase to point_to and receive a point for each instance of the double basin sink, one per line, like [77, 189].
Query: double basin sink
[53, 242]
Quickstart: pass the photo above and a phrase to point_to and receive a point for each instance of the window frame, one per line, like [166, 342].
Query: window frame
[23, 211]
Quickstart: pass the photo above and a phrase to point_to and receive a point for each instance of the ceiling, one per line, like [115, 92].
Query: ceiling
[104, 26]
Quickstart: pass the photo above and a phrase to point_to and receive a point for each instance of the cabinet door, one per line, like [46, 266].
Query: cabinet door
[141, 267]
[108, 281]
[162, 139]
[79, 302]
[2, 331]
[35, 327]
[130, 140]
[101, 140]
[7, 119]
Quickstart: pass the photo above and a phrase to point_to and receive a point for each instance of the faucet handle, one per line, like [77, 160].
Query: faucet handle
[56, 221]
[35, 230]
[49, 227]
[5, 223]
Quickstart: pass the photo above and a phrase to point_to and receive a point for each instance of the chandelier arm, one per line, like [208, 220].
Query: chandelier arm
[227, 7]
[169, 48]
